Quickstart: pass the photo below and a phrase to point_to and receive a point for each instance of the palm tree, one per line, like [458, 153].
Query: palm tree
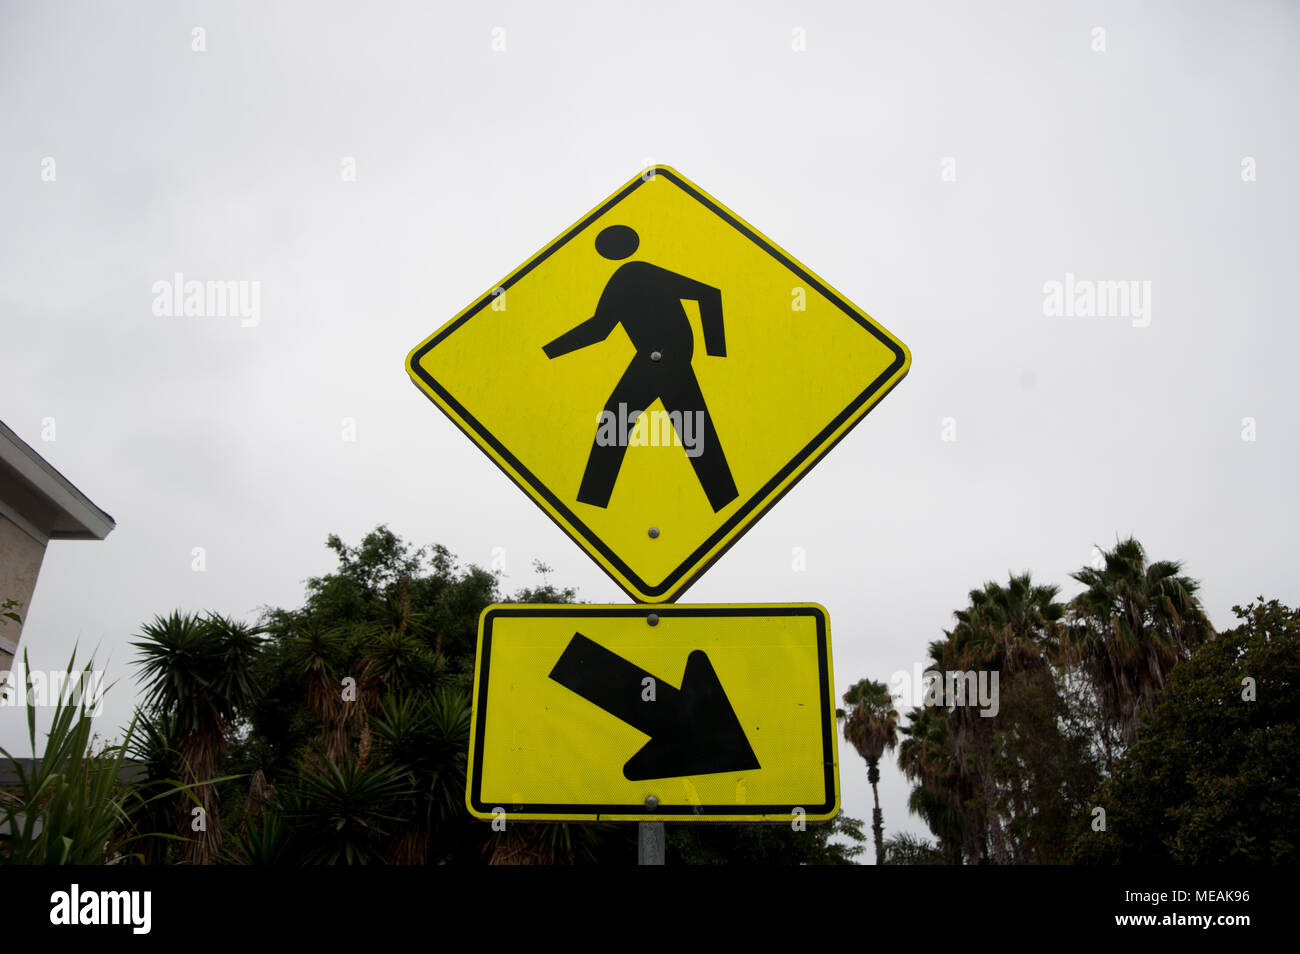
[905, 849]
[940, 791]
[871, 727]
[1134, 622]
[1012, 630]
[197, 671]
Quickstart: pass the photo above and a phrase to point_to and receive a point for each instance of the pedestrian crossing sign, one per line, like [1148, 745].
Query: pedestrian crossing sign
[657, 378]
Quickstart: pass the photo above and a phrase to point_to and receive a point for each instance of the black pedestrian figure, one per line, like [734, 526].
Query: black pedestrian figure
[647, 301]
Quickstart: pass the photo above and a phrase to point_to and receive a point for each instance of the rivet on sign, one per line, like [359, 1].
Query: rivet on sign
[653, 619]
[651, 802]
[655, 355]
[654, 532]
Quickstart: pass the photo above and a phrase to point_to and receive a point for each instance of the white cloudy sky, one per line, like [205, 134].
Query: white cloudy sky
[1119, 164]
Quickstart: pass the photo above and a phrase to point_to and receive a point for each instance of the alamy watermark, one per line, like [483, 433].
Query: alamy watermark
[47, 688]
[625, 428]
[179, 298]
[77, 906]
[930, 687]
[1085, 298]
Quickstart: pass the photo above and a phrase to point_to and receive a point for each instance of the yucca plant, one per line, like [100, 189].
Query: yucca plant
[546, 844]
[153, 745]
[316, 652]
[343, 813]
[263, 841]
[427, 738]
[399, 662]
[198, 671]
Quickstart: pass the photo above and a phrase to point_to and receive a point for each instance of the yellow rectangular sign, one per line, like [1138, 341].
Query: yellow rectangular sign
[638, 713]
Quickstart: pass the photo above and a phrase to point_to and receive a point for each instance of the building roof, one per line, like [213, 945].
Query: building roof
[42, 501]
[131, 770]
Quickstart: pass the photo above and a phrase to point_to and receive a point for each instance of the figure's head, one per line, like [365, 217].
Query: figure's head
[617, 241]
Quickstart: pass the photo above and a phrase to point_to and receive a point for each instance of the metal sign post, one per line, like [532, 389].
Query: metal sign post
[650, 843]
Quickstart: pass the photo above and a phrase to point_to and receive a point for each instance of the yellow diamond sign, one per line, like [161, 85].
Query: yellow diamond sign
[627, 713]
[657, 377]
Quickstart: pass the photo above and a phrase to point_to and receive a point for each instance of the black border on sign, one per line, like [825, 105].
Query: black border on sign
[666, 811]
[747, 514]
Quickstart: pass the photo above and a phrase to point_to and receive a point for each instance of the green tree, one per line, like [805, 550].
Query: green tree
[1214, 776]
[373, 673]
[836, 842]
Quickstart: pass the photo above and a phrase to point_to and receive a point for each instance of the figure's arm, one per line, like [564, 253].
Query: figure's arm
[715, 340]
[710, 300]
[592, 331]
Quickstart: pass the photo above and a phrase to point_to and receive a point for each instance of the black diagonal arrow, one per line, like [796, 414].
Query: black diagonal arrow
[693, 730]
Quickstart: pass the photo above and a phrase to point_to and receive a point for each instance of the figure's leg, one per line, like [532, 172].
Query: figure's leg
[634, 392]
[682, 394]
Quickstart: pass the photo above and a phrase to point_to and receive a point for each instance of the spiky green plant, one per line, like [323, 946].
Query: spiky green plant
[73, 807]
[344, 813]
[427, 738]
[264, 841]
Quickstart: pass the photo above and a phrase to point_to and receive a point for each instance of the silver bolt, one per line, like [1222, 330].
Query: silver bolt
[653, 619]
[654, 532]
[655, 355]
[651, 802]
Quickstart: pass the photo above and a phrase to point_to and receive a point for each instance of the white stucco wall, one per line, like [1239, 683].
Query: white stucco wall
[20, 562]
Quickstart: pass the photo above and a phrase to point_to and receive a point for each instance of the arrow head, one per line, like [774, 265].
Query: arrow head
[701, 734]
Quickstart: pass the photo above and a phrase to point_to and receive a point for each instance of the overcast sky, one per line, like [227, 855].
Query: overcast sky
[939, 164]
